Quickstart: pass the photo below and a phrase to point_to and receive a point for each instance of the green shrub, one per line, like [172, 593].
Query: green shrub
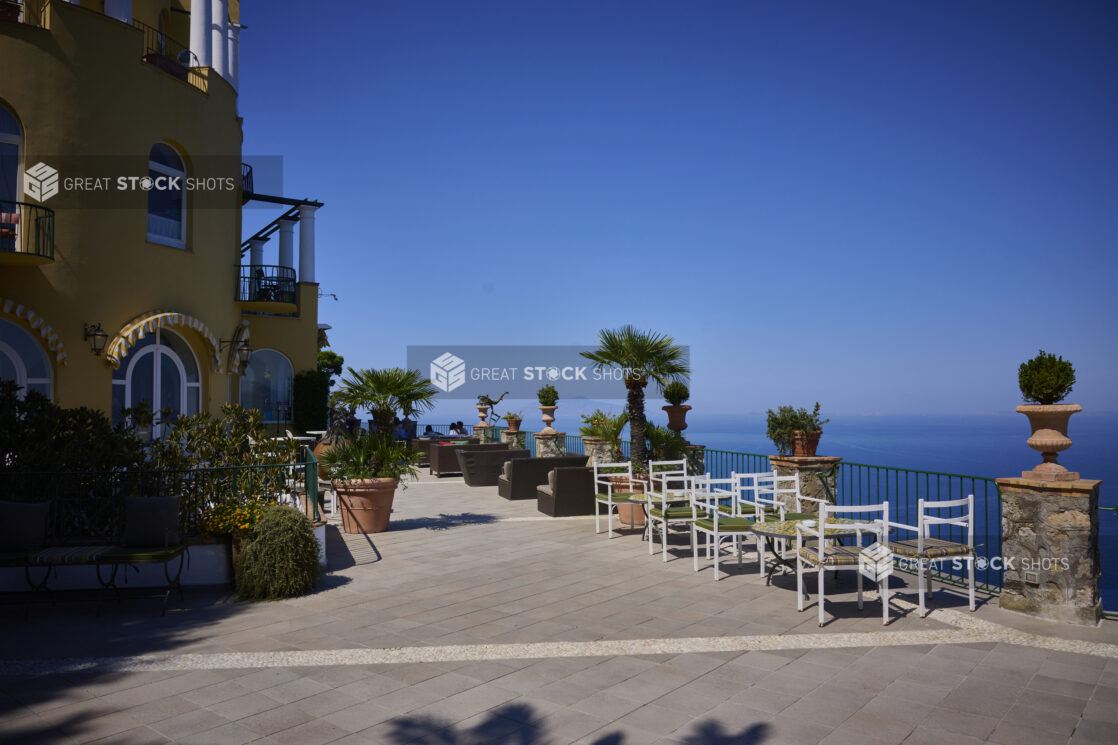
[676, 393]
[281, 559]
[311, 405]
[1045, 379]
[547, 395]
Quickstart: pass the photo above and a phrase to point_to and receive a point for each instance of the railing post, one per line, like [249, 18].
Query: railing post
[809, 469]
[1050, 549]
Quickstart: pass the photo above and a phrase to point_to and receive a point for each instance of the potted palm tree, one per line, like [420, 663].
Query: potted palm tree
[601, 436]
[676, 394]
[365, 472]
[1045, 381]
[642, 356]
[548, 398]
[795, 431]
[386, 393]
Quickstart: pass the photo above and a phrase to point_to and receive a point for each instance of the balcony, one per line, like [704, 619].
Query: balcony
[267, 289]
[26, 234]
[170, 56]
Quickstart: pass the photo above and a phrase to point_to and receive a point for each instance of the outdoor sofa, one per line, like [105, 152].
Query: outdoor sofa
[482, 467]
[443, 457]
[520, 477]
[569, 491]
[423, 445]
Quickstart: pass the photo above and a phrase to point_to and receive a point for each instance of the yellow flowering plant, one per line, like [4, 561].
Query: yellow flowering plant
[225, 519]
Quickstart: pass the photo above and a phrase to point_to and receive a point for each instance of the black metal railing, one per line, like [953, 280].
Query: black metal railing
[267, 284]
[169, 55]
[27, 229]
[246, 182]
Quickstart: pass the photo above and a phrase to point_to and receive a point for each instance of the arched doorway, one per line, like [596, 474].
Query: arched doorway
[162, 371]
[24, 361]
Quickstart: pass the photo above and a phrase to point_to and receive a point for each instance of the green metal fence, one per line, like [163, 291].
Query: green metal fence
[92, 503]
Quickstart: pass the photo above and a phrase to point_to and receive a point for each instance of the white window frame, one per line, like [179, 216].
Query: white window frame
[21, 367]
[163, 240]
[17, 140]
[158, 348]
[291, 392]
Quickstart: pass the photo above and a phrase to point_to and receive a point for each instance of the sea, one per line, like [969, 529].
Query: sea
[990, 446]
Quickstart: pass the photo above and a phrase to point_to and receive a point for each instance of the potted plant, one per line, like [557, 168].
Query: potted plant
[601, 436]
[548, 397]
[1045, 381]
[513, 418]
[365, 471]
[665, 443]
[676, 394]
[339, 428]
[795, 431]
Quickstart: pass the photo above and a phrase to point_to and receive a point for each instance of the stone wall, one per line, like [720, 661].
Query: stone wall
[515, 440]
[548, 446]
[809, 469]
[1050, 549]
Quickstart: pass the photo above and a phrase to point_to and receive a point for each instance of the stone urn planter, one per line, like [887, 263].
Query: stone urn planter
[483, 415]
[548, 417]
[1049, 423]
[805, 443]
[677, 417]
[366, 504]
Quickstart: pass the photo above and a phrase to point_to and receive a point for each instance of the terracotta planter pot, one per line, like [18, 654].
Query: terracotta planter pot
[677, 417]
[320, 448]
[805, 443]
[548, 417]
[366, 504]
[514, 424]
[631, 515]
[1049, 423]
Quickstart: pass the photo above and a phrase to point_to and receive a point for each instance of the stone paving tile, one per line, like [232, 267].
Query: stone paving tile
[228, 734]
[1092, 732]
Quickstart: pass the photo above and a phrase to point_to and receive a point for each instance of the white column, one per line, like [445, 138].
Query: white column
[200, 31]
[233, 54]
[120, 10]
[200, 22]
[306, 243]
[287, 243]
[218, 36]
[256, 252]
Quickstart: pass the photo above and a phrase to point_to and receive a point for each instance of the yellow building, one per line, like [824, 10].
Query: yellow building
[123, 276]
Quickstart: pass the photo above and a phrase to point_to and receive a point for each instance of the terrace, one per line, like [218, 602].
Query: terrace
[478, 620]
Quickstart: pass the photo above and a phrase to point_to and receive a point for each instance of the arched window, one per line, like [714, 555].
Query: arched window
[23, 360]
[167, 197]
[162, 371]
[267, 385]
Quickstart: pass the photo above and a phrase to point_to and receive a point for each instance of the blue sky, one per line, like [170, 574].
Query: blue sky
[882, 206]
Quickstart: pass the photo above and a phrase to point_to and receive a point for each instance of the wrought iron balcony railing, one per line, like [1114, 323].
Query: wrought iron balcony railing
[267, 286]
[26, 233]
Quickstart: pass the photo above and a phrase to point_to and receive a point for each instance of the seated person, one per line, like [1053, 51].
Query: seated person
[429, 432]
[401, 432]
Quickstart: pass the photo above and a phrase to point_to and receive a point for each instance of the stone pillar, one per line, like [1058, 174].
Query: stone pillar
[808, 468]
[517, 440]
[287, 243]
[306, 243]
[256, 252]
[551, 446]
[233, 54]
[696, 459]
[484, 433]
[201, 18]
[219, 25]
[597, 450]
[1050, 549]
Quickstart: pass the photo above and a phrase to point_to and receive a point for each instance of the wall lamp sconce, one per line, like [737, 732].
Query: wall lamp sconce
[243, 350]
[96, 337]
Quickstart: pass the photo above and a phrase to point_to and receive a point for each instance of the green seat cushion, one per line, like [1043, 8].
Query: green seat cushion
[832, 555]
[727, 524]
[620, 496]
[675, 513]
[141, 554]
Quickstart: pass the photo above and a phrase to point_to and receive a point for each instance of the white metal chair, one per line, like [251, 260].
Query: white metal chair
[708, 496]
[926, 549]
[668, 487]
[872, 519]
[605, 492]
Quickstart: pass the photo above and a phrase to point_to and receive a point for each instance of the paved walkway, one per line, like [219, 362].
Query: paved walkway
[477, 620]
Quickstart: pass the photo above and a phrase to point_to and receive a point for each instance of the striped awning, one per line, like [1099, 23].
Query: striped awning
[38, 324]
[137, 329]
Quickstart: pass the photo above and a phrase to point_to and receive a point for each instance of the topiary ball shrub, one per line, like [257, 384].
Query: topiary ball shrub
[1045, 379]
[281, 560]
[676, 393]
